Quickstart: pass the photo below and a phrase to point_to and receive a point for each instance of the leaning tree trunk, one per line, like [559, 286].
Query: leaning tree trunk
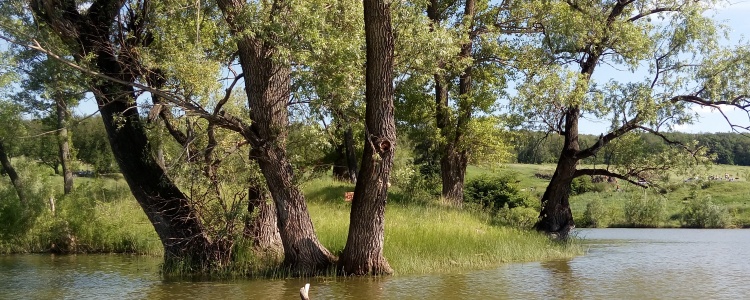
[174, 219]
[268, 80]
[556, 217]
[166, 206]
[15, 180]
[63, 143]
[363, 253]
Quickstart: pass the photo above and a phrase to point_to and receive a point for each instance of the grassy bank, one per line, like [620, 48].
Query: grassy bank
[673, 203]
[429, 238]
[421, 237]
[100, 216]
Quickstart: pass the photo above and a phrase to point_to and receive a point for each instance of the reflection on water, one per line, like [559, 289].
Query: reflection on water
[621, 264]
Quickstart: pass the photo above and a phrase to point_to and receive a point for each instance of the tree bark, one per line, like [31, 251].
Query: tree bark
[363, 253]
[174, 219]
[453, 172]
[268, 91]
[15, 180]
[556, 217]
[345, 166]
[261, 227]
[63, 143]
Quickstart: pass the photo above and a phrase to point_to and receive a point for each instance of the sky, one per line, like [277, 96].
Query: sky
[735, 15]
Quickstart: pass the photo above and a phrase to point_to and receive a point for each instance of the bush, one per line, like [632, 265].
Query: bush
[700, 212]
[519, 217]
[581, 185]
[596, 214]
[645, 211]
[493, 192]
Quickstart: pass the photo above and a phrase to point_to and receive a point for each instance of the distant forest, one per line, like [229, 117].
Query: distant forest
[728, 148]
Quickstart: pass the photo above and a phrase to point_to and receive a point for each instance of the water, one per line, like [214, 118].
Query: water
[620, 264]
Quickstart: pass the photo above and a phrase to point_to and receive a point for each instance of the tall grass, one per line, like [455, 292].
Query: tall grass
[430, 238]
[99, 216]
[421, 236]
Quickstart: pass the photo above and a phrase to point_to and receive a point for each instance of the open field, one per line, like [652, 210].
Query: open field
[732, 195]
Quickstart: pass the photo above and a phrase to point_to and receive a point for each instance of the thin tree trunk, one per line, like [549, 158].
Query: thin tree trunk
[268, 91]
[345, 167]
[261, 227]
[363, 253]
[14, 178]
[63, 143]
[351, 156]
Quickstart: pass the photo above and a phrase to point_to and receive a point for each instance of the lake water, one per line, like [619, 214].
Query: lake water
[620, 264]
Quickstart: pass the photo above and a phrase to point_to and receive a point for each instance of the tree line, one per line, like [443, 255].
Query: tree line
[210, 108]
[729, 148]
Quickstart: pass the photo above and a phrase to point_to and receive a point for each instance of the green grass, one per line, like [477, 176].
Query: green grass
[733, 195]
[100, 216]
[429, 238]
[421, 236]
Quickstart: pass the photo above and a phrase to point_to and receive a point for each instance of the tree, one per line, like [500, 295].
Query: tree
[267, 71]
[363, 253]
[467, 78]
[89, 138]
[45, 94]
[679, 53]
[91, 35]
[11, 128]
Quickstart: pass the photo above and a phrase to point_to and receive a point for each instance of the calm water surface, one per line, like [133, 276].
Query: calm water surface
[620, 264]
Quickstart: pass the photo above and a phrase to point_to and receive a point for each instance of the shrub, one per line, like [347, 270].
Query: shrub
[645, 211]
[493, 192]
[700, 212]
[581, 185]
[596, 214]
[519, 217]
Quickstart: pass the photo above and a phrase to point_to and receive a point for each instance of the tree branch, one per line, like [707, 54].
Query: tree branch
[605, 139]
[603, 172]
[222, 119]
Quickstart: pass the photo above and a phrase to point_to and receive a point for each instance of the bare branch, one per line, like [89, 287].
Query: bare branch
[651, 12]
[603, 172]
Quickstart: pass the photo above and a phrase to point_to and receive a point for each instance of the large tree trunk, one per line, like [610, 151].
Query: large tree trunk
[166, 206]
[556, 217]
[63, 143]
[11, 171]
[363, 253]
[268, 80]
[174, 219]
